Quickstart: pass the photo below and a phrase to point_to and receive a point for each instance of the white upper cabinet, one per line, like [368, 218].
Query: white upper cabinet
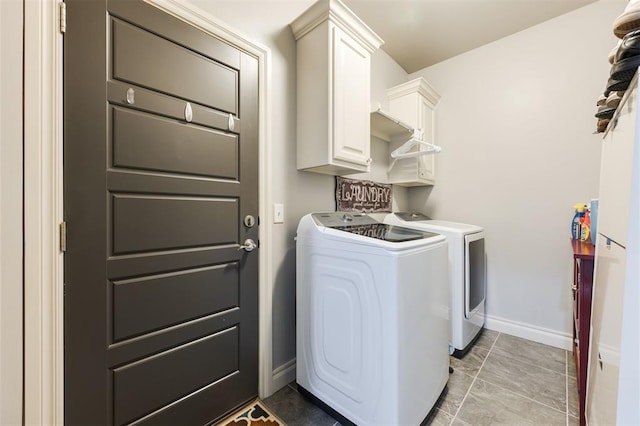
[414, 103]
[334, 71]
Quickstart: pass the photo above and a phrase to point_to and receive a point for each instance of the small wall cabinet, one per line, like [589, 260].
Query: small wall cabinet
[333, 69]
[414, 103]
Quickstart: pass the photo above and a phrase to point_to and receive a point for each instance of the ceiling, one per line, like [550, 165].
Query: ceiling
[420, 33]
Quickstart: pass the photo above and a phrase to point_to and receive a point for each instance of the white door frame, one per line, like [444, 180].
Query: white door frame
[44, 357]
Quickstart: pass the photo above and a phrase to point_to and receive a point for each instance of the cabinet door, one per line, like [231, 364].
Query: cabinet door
[615, 174]
[426, 165]
[351, 72]
[606, 325]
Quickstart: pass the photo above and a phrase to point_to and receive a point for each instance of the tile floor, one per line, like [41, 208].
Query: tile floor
[502, 380]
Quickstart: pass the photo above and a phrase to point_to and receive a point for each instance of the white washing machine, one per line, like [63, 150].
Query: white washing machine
[372, 318]
[468, 274]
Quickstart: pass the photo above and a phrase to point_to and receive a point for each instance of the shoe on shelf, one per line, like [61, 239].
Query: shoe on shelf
[605, 112]
[614, 85]
[602, 125]
[613, 100]
[629, 20]
[625, 69]
[629, 46]
[601, 100]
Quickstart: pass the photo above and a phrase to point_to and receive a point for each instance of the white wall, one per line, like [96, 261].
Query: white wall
[11, 212]
[515, 121]
[300, 192]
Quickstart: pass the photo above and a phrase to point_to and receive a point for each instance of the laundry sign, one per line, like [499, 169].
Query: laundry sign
[362, 196]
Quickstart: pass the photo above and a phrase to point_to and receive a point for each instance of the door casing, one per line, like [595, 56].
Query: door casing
[44, 387]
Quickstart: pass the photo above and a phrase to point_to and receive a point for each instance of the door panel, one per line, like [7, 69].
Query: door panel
[142, 58]
[151, 223]
[155, 381]
[160, 303]
[147, 142]
[172, 298]
[154, 20]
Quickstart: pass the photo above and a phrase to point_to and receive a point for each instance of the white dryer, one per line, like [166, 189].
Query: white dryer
[372, 318]
[468, 274]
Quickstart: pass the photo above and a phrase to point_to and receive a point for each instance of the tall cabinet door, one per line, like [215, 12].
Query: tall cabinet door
[606, 327]
[612, 284]
[351, 99]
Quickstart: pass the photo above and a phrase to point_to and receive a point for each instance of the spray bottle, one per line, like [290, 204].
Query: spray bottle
[576, 231]
[585, 225]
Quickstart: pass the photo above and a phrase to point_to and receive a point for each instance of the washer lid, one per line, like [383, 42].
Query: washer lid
[362, 224]
[423, 222]
[412, 217]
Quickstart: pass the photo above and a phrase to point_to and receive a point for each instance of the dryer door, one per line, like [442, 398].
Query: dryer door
[475, 277]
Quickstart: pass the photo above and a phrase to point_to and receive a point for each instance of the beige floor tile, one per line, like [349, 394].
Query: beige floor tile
[296, 410]
[457, 387]
[471, 362]
[458, 422]
[440, 418]
[572, 398]
[487, 404]
[531, 352]
[523, 378]
[571, 365]
[486, 339]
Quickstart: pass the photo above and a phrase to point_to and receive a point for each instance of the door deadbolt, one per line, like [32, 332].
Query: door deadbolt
[249, 221]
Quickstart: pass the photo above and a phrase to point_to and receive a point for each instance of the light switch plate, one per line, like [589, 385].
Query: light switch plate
[278, 213]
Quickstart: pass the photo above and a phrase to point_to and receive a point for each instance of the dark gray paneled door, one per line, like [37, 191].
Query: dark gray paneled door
[160, 169]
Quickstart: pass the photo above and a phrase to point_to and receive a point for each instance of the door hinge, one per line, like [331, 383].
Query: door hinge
[63, 237]
[63, 17]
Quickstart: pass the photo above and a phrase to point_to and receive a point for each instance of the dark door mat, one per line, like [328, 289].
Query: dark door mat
[253, 414]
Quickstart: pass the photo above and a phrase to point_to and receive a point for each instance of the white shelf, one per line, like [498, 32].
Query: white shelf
[387, 127]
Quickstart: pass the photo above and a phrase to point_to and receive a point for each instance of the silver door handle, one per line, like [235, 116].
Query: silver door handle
[249, 245]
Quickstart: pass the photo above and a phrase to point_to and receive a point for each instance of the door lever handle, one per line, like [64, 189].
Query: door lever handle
[248, 245]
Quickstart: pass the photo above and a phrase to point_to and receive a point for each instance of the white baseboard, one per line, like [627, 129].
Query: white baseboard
[283, 375]
[530, 332]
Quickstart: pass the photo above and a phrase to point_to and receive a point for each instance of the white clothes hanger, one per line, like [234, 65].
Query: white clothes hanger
[405, 150]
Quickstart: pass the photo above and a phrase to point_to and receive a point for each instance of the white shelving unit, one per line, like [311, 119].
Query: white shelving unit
[386, 127]
[414, 103]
